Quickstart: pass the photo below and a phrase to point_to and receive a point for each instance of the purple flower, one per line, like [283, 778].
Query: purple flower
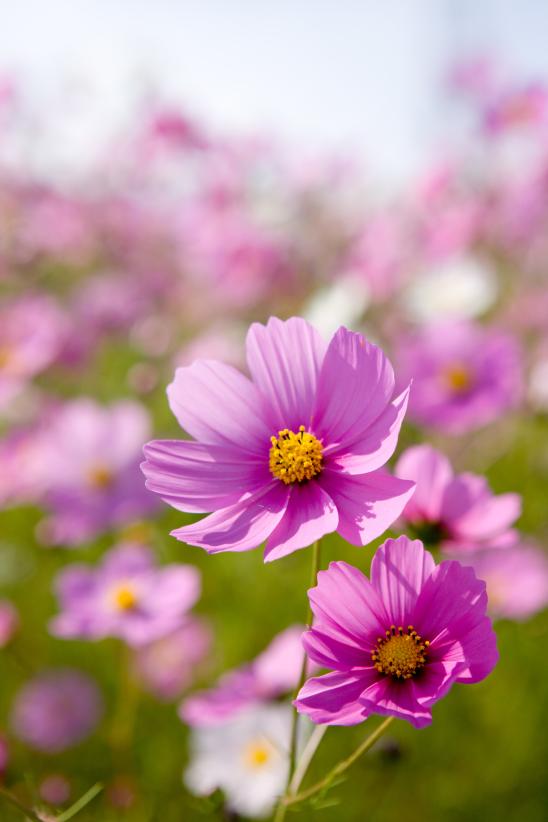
[167, 666]
[56, 710]
[290, 455]
[397, 643]
[55, 789]
[125, 597]
[92, 453]
[460, 512]
[32, 331]
[464, 376]
[273, 673]
[516, 579]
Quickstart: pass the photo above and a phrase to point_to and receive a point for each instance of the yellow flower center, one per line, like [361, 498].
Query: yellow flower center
[125, 598]
[400, 654]
[458, 378]
[99, 476]
[295, 457]
[257, 753]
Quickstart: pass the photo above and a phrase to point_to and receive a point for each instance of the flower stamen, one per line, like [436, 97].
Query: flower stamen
[257, 754]
[458, 378]
[400, 654]
[125, 598]
[295, 457]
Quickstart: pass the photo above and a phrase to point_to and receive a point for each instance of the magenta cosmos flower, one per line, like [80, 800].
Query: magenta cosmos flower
[464, 376]
[92, 453]
[56, 710]
[396, 643]
[291, 454]
[127, 596]
[460, 512]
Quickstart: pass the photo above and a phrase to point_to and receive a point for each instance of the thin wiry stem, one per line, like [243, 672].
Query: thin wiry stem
[80, 803]
[341, 767]
[302, 677]
[306, 757]
[281, 809]
[28, 813]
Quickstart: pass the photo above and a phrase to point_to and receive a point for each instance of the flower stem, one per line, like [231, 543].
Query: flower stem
[291, 773]
[339, 769]
[125, 714]
[80, 803]
[302, 677]
[306, 757]
[28, 813]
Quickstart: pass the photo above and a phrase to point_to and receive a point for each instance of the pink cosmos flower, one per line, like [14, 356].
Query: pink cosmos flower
[290, 455]
[525, 107]
[56, 710]
[398, 642]
[32, 331]
[55, 789]
[92, 453]
[273, 673]
[516, 579]
[126, 597]
[168, 665]
[464, 376]
[460, 512]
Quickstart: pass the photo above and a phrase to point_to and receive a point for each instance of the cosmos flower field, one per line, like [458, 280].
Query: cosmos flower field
[274, 476]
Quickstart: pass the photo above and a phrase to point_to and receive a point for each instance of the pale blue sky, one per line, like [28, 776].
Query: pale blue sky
[363, 74]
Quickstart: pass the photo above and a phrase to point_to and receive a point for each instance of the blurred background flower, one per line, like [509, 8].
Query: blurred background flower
[170, 174]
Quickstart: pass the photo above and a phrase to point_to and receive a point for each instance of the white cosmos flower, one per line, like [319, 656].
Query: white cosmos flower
[341, 303]
[461, 288]
[246, 758]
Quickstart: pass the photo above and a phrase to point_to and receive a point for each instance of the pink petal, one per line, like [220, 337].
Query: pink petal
[475, 652]
[368, 504]
[355, 385]
[129, 428]
[333, 698]
[390, 697]
[175, 587]
[432, 472]
[277, 669]
[435, 681]
[239, 527]
[346, 607]
[195, 477]
[461, 494]
[378, 444]
[128, 559]
[322, 646]
[488, 518]
[310, 514]
[399, 570]
[451, 604]
[216, 404]
[284, 359]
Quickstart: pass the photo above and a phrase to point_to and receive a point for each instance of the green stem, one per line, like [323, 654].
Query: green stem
[306, 757]
[281, 808]
[28, 813]
[341, 767]
[80, 803]
[125, 714]
[302, 677]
